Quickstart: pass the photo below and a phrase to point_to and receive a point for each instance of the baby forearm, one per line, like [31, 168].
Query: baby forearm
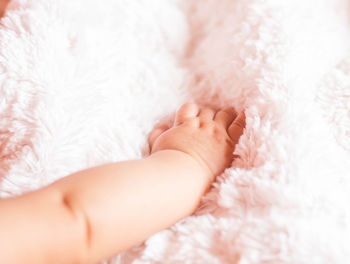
[127, 202]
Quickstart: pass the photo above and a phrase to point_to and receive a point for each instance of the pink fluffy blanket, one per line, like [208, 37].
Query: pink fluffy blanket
[83, 84]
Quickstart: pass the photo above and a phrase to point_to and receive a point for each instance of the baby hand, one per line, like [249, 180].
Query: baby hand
[206, 135]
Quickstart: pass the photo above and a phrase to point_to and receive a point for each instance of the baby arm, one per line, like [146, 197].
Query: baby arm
[95, 213]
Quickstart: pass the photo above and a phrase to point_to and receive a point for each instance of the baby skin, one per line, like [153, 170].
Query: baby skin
[96, 213]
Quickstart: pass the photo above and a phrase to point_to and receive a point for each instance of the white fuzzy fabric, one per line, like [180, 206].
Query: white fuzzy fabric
[82, 83]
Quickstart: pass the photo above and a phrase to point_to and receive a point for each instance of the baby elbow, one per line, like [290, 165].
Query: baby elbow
[83, 226]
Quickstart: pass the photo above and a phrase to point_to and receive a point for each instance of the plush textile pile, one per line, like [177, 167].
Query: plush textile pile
[82, 83]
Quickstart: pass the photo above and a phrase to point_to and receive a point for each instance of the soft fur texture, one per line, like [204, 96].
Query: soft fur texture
[83, 83]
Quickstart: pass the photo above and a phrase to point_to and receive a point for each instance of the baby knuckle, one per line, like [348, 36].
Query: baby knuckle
[191, 121]
[206, 124]
[218, 134]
